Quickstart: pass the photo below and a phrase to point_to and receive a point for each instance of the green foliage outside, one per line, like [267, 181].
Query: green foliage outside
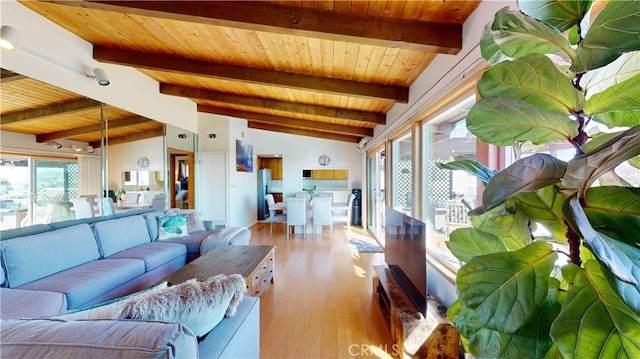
[575, 293]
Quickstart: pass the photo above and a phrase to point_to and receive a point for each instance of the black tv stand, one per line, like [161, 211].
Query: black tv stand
[416, 335]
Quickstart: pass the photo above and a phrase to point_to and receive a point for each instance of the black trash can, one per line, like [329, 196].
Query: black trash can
[356, 208]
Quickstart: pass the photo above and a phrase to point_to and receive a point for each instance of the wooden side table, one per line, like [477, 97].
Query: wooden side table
[254, 263]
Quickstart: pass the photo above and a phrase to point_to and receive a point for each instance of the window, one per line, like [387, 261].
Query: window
[401, 174]
[448, 195]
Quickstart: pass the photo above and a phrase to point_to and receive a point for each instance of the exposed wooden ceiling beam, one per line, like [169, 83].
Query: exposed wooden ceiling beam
[351, 115]
[298, 21]
[301, 132]
[250, 75]
[53, 110]
[7, 76]
[131, 121]
[286, 121]
[130, 138]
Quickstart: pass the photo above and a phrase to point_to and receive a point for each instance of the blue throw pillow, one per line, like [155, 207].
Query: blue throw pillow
[172, 227]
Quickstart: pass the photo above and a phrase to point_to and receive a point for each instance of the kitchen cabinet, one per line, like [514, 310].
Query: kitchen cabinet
[322, 174]
[274, 164]
[340, 174]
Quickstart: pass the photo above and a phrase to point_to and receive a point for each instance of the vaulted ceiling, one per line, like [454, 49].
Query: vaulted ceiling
[328, 69]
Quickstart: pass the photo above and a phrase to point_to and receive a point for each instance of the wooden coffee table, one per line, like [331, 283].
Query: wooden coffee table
[254, 263]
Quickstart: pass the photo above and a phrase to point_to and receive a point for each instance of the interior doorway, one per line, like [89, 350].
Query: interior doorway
[269, 180]
[182, 172]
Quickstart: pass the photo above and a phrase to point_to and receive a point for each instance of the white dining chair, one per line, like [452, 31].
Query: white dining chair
[105, 206]
[303, 194]
[273, 214]
[324, 194]
[322, 215]
[297, 214]
[130, 198]
[344, 215]
[81, 207]
[158, 202]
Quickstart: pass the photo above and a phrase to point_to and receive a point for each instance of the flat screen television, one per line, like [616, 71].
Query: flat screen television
[405, 255]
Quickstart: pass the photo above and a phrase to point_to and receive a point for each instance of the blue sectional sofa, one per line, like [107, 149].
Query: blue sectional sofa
[49, 269]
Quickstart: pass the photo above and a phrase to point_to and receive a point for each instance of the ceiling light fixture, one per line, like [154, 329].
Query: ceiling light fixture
[55, 144]
[90, 149]
[8, 37]
[76, 148]
[100, 76]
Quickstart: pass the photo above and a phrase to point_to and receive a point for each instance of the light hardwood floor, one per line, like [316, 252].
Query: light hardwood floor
[321, 304]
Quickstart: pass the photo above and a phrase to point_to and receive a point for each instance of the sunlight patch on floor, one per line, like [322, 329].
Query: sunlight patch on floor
[359, 271]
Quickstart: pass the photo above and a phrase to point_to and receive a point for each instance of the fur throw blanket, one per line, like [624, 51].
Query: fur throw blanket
[189, 298]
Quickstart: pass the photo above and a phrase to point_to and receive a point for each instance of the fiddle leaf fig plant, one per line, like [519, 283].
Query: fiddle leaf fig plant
[571, 290]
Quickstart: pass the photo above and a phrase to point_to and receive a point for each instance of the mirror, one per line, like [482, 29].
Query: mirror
[142, 181]
[325, 180]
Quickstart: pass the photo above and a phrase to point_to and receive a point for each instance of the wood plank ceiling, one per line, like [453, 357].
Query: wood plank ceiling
[328, 69]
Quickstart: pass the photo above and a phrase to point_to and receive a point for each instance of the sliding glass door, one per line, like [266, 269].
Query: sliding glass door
[54, 181]
[34, 190]
[376, 193]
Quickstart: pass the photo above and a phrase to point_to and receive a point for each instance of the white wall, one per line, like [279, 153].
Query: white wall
[210, 125]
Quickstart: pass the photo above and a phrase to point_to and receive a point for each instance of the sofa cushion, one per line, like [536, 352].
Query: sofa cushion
[55, 338]
[85, 282]
[198, 305]
[119, 234]
[24, 231]
[152, 223]
[153, 254]
[172, 226]
[53, 252]
[18, 303]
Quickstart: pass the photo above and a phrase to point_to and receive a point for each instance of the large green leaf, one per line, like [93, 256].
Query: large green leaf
[600, 79]
[530, 341]
[614, 31]
[619, 105]
[466, 243]
[489, 50]
[594, 322]
[518, 35]
[563, 14]
[583, 170]
[619, 118]
[507, 288]
[628, 292]
[535, 80]
[545, 207]
[472, 167]
[615, 211]
[601, 245]
[525, 175]
[504, 120]
[487, 343]
[598, 140]
[510, 225]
